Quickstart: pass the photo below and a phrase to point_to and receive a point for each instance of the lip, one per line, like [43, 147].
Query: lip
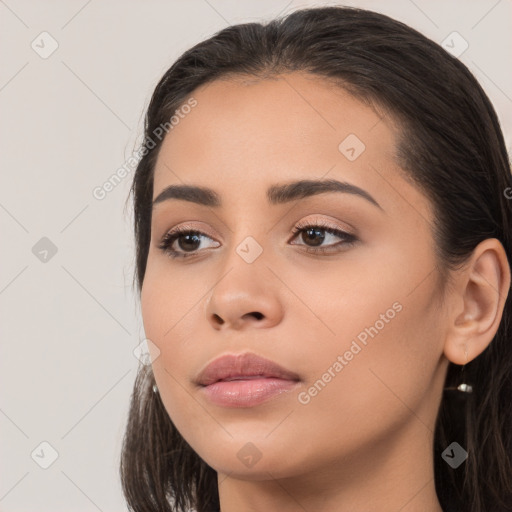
[244, 380]
[238, 366]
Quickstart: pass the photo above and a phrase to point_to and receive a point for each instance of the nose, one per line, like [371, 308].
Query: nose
[245, 297]
[236, 323]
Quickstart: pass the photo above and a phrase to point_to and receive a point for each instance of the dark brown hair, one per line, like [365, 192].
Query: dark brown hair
[450, 145]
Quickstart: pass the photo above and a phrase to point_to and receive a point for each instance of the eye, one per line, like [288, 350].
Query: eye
[184, 242]
[188, 242]
[315, 234]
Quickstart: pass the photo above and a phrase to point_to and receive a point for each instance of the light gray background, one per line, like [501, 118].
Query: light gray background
[69, 325]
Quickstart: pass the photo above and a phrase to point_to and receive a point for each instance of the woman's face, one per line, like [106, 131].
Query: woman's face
[359, 325]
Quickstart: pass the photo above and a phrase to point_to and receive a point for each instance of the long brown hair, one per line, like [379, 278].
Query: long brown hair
[451, 146]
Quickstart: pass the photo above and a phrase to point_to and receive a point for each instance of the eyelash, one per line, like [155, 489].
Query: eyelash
[169, 238]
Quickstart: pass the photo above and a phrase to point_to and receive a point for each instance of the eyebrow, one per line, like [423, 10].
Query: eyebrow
[276, 194]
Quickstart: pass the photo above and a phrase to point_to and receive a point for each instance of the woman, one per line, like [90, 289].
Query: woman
[323, 227]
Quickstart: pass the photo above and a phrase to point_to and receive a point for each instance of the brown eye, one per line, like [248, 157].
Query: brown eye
[182, 243]
[314, 236]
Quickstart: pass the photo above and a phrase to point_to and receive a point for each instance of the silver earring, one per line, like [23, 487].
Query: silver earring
[464, 388]
[155, 389]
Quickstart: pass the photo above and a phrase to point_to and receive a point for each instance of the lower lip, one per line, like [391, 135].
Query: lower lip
[246, 393]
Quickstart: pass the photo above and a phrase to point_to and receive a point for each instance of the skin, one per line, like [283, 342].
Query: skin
[364, 442]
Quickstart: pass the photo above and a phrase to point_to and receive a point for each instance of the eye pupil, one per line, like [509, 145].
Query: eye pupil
[316, 236]
[190, 238]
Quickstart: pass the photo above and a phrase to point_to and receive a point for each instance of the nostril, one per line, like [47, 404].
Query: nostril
[218, 318]
[257, 314]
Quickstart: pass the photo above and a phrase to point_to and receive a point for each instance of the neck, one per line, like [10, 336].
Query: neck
[392, 475]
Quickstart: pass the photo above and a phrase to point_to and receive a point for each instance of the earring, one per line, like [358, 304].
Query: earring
[155, 389]
[464, 388]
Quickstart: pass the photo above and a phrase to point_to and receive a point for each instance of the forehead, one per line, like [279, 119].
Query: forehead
[253, 133]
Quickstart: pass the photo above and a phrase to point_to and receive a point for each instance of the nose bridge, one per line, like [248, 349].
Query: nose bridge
[249, 237]
[243, 291]
[243, 269]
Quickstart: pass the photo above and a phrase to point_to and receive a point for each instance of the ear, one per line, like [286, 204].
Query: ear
[477, 301]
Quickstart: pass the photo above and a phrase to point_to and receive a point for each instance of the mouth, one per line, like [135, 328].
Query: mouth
[244, 366]
[244, 380]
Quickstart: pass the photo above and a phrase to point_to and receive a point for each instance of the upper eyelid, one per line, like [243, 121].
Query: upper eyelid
[302, 223]
[323, 224]
[185, 228]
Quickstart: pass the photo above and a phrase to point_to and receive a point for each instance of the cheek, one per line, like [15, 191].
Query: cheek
[155, 308]
[380, 315]
[385, 386]
[168, 299]
[390, 351]
[171, 316]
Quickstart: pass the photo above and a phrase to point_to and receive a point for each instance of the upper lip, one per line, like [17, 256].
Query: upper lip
[232, 366]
